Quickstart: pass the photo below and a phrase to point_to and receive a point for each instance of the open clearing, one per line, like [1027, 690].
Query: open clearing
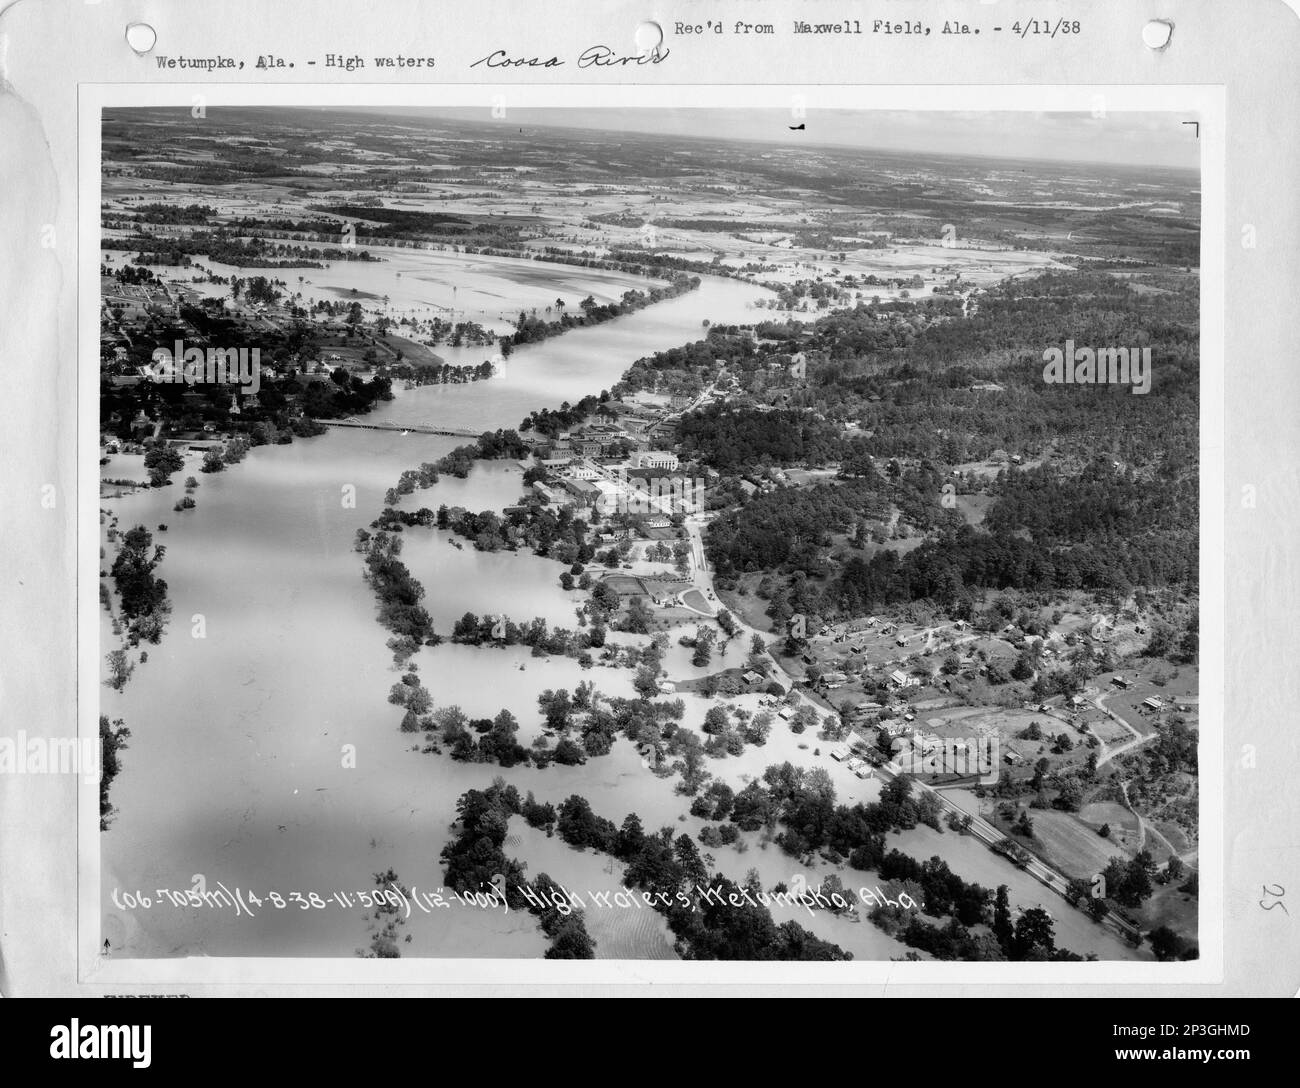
[1075, 848]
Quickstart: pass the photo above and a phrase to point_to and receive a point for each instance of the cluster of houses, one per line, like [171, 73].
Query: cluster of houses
[1153, 704]
[624, 430]
[843, 753]
[638, 483]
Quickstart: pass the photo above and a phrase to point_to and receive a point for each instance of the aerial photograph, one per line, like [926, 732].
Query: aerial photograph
[648, 534]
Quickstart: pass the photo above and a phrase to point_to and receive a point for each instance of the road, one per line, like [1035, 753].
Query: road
[1111, 751]
[698, 400]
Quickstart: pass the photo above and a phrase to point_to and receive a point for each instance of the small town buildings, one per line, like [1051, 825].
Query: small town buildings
[654, 459]
[635, 426]
[646, 399]
[663, 430]
[584, 492]
[554, 496]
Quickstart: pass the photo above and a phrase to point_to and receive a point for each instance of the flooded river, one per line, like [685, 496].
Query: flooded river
[264, 754]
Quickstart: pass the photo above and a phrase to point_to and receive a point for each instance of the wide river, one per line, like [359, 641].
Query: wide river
[264, 754]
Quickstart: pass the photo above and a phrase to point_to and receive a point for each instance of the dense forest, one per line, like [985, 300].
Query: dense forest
[952, 569]
[1106, 501]
[734, 439]
[784, 530]
[921, 378]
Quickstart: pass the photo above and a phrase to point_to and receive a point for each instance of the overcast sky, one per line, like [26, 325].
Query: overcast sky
[1156, 139]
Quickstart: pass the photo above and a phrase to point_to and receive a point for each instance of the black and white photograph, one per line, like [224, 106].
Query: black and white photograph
[623, 533]
[728, 500]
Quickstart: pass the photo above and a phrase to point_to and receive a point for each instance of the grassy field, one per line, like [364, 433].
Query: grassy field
[1123, 824]
[1176, 835]
[1107, 730]
[1076, 849]
[749, 607]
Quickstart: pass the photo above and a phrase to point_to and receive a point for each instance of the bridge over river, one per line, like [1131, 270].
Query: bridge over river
[405, 428]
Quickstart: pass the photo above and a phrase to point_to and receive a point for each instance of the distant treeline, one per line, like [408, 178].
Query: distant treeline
[441, 374]
[227, 249]
[393, 221]
[173, 213]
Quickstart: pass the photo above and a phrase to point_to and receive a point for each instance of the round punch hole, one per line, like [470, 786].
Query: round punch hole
[649, 37]
[1157, 33]
[141, 37]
